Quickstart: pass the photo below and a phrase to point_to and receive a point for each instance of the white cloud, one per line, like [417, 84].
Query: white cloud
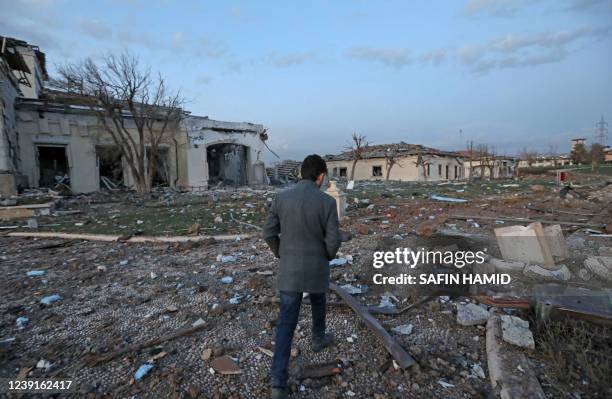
[392, 57]
[513, 51]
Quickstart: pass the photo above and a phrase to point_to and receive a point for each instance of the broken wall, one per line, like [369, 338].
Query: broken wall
[79, 133]
[203, 133]
[9, 145]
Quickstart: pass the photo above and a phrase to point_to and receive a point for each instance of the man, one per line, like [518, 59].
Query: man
[302, 230]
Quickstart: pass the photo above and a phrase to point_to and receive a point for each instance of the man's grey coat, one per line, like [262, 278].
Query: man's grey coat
[302, 230]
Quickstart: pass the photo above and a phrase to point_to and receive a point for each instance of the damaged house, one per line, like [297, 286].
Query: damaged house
[400, 162]
[51, 138]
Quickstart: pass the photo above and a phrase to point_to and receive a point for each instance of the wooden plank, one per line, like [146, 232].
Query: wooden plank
[403, 359]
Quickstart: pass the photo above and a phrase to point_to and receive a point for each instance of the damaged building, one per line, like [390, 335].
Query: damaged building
[399, 162]
[51, 139]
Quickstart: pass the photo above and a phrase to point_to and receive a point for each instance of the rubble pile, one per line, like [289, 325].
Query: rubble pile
[196, 318]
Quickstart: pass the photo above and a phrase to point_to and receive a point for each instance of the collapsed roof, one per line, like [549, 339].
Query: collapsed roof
[381, 150]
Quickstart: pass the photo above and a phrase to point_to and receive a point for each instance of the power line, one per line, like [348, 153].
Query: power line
[602, 131]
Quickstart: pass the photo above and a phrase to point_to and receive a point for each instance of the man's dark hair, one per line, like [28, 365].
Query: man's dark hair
[312, 166]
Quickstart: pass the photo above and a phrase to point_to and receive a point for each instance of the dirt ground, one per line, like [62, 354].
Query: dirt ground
[117, 294]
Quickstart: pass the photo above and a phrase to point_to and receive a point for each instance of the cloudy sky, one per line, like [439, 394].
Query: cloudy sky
[508, 73]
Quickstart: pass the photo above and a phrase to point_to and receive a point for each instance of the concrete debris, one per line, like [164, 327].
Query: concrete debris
[527, 244]
[600, 266]
[226, 258]
[354, 290]
[560, 274]
[516, 332]
[198, 323]
[503, 266]
[404, 329]
[225, 365]
[471, 314]
[43, 364]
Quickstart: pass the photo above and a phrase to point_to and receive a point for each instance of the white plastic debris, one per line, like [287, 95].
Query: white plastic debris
[227, 280]
[43, 364]
[34, 273]
[22, 322]
[50, 299]
[226, 258]
[198, 322]
[338, 262]
[447, 199]
[124, 262]
[445, 384]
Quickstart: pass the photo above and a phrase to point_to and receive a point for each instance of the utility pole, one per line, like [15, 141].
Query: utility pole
[602, 132]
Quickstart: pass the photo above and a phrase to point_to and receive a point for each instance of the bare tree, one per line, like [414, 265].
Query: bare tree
[132, 106]
[391, 154]
[470, 153]
[356, 148]
[597, 155]
[423, 163]
[529, 156]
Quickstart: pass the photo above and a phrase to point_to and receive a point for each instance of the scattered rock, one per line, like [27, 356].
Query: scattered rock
[404, 329]
[206, 354]
[516, 331]
[471, 314]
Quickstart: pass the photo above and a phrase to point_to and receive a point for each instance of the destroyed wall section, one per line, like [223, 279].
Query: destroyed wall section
[9, 159]
[75, 129]
[203, 132]
[405, 168]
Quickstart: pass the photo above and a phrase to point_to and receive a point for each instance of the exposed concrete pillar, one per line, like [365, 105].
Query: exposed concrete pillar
[340, 198]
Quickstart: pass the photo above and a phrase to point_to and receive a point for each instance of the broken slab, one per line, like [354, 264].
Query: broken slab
[471, 314]
[225, 365]
[525, 243]
[600, 266]
[516, 331]
[560, 274]
[505, 367]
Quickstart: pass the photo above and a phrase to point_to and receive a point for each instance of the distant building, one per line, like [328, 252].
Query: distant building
[542, 161]
[487, 166]
[413, 162]
[577, 141]
[48, 137]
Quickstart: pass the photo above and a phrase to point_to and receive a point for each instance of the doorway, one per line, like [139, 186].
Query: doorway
[53, 166]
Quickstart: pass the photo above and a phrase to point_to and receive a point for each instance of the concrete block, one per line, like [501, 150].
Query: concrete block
[560, 274]
[600, 266]
[525, 243]
[556, 241]
[516, 331]
[471, 315]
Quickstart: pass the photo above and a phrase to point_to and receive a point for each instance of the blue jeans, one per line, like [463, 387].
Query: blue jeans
[290, 303]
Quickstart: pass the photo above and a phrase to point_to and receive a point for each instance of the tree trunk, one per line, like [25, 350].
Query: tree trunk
[353, 169]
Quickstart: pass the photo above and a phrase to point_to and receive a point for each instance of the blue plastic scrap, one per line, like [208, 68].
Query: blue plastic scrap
[142, 371]
[49, 299]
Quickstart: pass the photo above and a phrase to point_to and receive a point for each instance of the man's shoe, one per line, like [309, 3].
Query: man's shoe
[280, 393]
[318, 344]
